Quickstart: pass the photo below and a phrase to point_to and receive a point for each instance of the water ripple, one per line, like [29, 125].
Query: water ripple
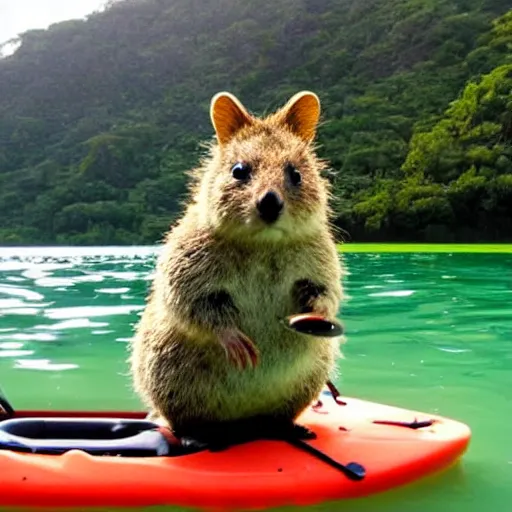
[44, 365]
[67, 296]
[15, 353]
[18, 291]
[90, 311]
[397, 293]
[74, 323]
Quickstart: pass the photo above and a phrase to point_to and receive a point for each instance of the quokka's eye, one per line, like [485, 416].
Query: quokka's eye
[293, 174]
[241, 171]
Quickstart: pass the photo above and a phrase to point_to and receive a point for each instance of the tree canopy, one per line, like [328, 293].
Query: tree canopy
[100, 119]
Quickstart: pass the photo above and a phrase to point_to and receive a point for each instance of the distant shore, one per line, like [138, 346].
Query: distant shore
[445, 248]
[57, 250]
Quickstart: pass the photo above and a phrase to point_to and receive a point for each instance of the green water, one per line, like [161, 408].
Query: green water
[432, 332]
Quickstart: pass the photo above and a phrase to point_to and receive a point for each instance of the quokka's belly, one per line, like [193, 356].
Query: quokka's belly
[278, 390]
[291, 372]
[263, 301]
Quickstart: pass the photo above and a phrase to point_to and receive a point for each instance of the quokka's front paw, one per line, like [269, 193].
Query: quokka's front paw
[320, 308]
[311, 297]
[240, 350]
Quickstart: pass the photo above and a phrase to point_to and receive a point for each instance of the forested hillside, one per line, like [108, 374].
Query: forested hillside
[100, 118]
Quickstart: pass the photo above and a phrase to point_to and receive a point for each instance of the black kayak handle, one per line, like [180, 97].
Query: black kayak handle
[104, 436]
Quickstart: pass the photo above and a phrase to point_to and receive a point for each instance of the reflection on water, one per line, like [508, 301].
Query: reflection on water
[431, 332]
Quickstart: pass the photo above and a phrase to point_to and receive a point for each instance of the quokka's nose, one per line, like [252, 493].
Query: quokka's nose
[270, 206]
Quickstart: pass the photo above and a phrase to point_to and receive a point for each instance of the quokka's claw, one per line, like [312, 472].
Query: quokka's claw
[240, 350]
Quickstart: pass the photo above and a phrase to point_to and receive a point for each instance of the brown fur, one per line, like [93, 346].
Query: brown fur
[221, 247]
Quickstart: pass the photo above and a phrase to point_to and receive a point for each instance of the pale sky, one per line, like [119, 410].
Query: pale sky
[17, 16]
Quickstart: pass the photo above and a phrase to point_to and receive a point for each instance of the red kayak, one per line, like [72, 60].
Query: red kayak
[116, 459]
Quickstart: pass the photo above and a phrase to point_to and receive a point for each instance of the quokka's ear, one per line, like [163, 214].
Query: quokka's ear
[228, 116]
[301, 114]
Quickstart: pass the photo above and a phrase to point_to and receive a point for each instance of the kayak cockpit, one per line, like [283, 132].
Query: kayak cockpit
[96, 436]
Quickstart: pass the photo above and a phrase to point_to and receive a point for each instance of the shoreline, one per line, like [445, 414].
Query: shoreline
[342, 247]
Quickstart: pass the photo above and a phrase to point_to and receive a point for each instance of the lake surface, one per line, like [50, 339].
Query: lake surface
[431, 332]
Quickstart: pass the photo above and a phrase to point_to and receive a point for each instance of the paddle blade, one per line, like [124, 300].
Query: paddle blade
[314, 325]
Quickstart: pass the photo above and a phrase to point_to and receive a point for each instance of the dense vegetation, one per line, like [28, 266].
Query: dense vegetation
[100, 118]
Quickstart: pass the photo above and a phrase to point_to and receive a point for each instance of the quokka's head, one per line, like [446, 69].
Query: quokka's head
[262, 180]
